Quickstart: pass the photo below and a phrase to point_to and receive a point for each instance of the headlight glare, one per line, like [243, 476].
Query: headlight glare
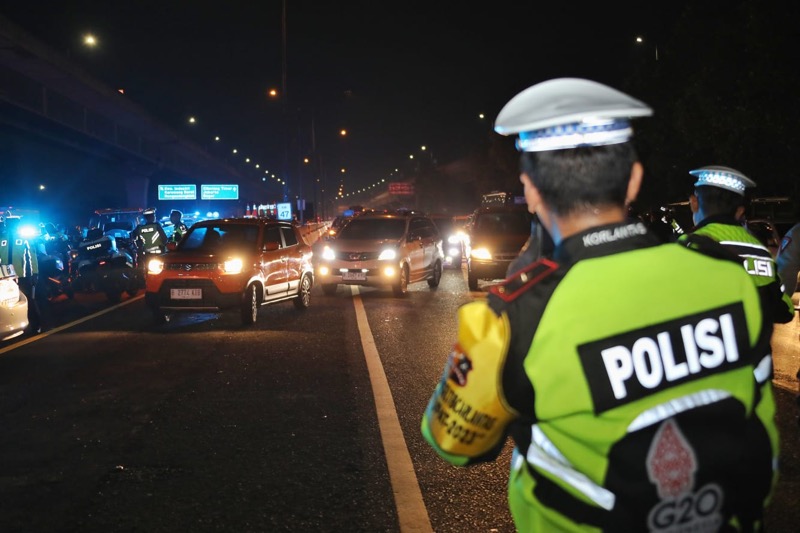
[328, 254]
[388, 255]
[233, 266]
[481, 253]
[155, 266]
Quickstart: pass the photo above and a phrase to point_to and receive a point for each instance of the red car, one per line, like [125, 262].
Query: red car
[226, 264]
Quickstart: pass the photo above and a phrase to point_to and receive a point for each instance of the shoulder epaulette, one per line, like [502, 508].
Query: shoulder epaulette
[517, 283]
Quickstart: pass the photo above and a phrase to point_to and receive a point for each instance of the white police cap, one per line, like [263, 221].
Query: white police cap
[723, 177]
[568, 113]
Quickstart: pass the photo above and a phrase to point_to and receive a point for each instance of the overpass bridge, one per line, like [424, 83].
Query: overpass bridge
[71, 144]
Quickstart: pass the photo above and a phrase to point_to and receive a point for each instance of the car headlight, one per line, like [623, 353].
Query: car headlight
[453, 239]
[481, 253]
[328, 254]
[388, 255]
[155, 266]
[233, 266]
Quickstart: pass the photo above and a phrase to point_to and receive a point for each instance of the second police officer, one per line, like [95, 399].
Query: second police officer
[150, 237]
[179, 228]
[626, 370]
[717, 205]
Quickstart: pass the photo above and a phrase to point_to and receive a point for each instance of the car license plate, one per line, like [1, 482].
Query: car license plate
[354, 276]
[186, 294]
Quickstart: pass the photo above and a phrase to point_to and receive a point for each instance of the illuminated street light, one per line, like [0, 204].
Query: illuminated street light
[216, 138]
[640, 41]
[41, 187]
[192, 120]
[90, 40]
[272, 93]
[235, 151]
[343, 132]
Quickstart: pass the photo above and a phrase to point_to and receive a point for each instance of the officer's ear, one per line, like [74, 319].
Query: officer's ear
[634, 183]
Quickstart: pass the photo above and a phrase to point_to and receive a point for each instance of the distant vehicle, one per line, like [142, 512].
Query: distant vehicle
[336, 226]
[499, 198]
[766, 232]
[116, 222]
[453, 230]
[496, 236]
[385, 249]
[495, 198]
[780, 210]
[232, 263]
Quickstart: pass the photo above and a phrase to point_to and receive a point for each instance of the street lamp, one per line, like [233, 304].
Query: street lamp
[641, 41]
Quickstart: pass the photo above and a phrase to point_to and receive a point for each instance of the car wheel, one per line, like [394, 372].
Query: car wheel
[303, 294]
[472, 281]
[434, 280]
[401, 287]
[250, 306]
[329, 289]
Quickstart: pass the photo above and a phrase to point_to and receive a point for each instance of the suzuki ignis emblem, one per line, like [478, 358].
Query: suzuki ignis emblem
[187, 268]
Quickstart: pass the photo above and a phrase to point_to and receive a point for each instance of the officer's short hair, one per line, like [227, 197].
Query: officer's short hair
[717, 201]
[175, 212]
[579, 178]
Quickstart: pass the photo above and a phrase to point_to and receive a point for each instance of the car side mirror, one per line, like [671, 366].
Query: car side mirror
[271, 246]
[171, 246]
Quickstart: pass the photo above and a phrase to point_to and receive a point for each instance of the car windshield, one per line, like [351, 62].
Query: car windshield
[219, 236]
[510, 222]
[446, 226]
[374, 228]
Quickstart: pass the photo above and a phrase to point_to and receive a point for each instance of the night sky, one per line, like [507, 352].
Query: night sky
[397, 75]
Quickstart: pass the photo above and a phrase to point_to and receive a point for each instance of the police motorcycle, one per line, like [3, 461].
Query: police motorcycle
[98, 265]
[53, 257]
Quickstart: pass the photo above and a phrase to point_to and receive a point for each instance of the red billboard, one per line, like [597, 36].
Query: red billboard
[401, 188]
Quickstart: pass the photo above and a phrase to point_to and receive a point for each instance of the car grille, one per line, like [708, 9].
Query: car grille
[190, 267]
[505, 256]
[357, 256]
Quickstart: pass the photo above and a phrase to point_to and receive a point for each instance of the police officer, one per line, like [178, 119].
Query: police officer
[150, 237]
[717, 210]
[180, 228]
[15, 250]
[623, 367]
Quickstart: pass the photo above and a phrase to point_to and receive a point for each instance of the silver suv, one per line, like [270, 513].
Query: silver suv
[385, 249]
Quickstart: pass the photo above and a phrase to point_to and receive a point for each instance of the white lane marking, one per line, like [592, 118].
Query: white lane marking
[411, 511]
[49, 332]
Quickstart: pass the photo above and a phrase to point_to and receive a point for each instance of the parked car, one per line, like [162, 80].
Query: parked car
[766, 232]
[241, 263]
[386, 249]
[496, 235]
[453, 230]
[13, 305]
